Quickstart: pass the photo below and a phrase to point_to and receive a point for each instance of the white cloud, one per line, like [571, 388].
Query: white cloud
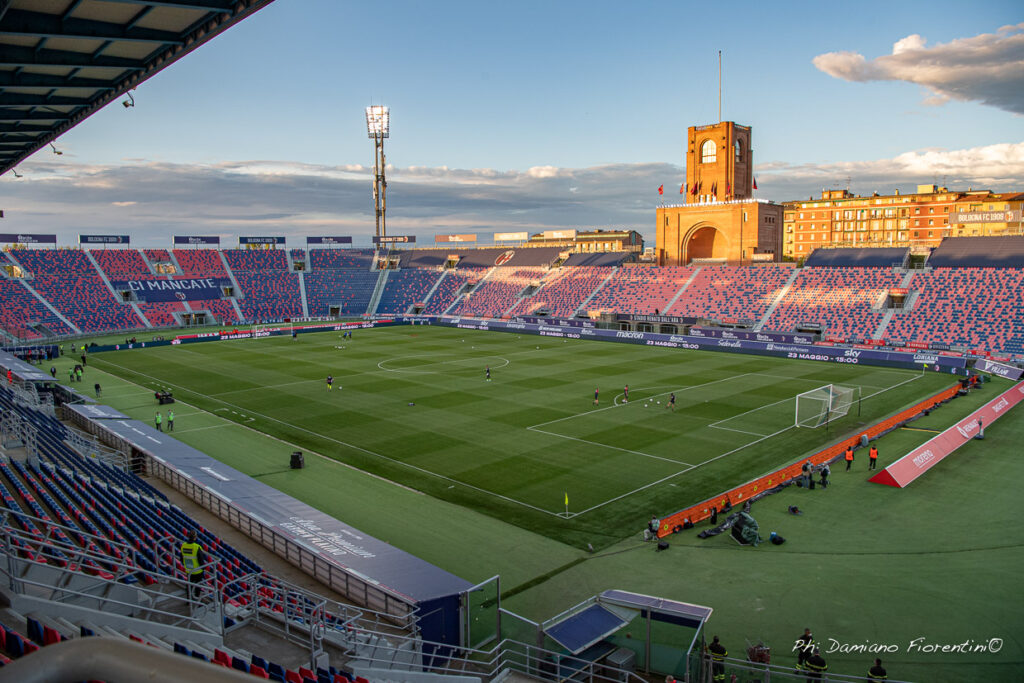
[987, 68]
[158, 200]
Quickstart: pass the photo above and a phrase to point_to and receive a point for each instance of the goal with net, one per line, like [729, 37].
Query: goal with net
[825, 404]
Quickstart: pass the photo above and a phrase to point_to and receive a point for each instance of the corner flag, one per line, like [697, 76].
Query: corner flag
[566, 497]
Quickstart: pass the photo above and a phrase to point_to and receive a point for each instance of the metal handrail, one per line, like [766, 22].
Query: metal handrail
[111, 659]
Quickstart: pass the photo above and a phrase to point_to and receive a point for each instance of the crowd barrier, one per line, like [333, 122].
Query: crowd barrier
[702, 511]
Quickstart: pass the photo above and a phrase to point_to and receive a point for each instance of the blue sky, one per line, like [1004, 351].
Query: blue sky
[534, 115]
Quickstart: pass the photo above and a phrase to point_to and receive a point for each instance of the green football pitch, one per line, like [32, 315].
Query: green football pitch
[413, 405]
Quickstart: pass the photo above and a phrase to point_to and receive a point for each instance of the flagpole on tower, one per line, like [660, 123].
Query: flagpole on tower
[719, 86]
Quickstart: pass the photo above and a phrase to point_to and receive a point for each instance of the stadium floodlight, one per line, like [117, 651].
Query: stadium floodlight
[378, 121]
[130, 102]
[820, 406]
[55, 150]
[378, 125]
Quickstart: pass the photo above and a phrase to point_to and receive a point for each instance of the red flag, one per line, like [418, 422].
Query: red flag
[728, 188]
[661, 189]
[693, 191]
[682, 188]
[755, 182]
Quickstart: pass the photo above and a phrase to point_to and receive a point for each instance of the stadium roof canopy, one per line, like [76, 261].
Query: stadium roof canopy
[61, 61]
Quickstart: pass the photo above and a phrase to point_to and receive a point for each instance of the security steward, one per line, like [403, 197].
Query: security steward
[815, 665]
[872, 457]
[193, 557]
[849, 458]
[718, 654]
[804, 647]
[877, 673]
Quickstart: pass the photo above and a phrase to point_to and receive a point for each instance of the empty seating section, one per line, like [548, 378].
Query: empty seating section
[269, 295]
[332, 259]
[221, 309]
[980, 308]
[21, 307]
[120, 264]
[612, 258]
[564, 291]
[85, 300]
[54, 261]
[350, 290]
[157, 255]
[496, 294]
[405, 288]
[731, 292]
[841, 299]
[448, 289]
[161, 313]
[200, 262]
[256, 259]
[885, 257]
[979, 252]
[641, 290]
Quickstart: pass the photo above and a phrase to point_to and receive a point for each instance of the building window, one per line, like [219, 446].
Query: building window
[708, 153]
[739, 151]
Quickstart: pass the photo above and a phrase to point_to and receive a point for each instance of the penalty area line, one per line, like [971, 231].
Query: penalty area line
[353, 447]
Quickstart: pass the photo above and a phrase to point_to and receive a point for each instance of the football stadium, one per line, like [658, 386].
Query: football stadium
[537, 457]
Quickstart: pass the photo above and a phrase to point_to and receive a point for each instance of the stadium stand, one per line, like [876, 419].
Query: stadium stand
[67, 279]
[848, 302]
[979, 252]
[121, 264]
[979, 308]
[495, 295]
[256, 259]
[642, 290]
[613, 258]
[298, 254]
[348, 289]
[21, 308]
[157, 255]
[731, 292]
[269, 295]
[449, 289]
[333, 259]
[405, 288]
[480, 258]
[200, 262]
[563, 291]
[858, 258]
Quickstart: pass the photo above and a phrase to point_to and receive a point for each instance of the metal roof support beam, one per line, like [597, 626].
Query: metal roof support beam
[37, 24]
[225, 6]
[20, 115]
[21, 56]
[20, 79]
[19, 127]
[21, 99]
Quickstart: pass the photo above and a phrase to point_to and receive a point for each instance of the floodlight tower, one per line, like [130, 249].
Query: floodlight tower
[378, 122]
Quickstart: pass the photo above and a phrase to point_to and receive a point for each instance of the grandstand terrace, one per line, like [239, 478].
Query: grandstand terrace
[404, 288]
[498, 292]
[847, 302]
[200, 262]
[346, 288]
[641, 289]
[335, 259]
[731, 292]
[564, 291]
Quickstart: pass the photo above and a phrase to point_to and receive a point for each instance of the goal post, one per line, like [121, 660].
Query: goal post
[825, 404]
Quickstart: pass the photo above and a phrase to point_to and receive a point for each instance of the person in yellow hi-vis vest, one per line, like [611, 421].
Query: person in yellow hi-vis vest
[193, 557]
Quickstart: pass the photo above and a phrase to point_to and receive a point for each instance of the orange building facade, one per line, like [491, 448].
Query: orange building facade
[919, 220]
[721, 221]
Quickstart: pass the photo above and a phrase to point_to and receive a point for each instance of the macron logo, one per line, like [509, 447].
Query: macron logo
[924, 458]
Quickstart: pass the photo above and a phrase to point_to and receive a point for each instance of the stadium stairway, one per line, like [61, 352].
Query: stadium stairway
[437, 283]
[778, 300]
[378, 289]
[582, 308]
[302, 293]
[682, 289]
[908, 277]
